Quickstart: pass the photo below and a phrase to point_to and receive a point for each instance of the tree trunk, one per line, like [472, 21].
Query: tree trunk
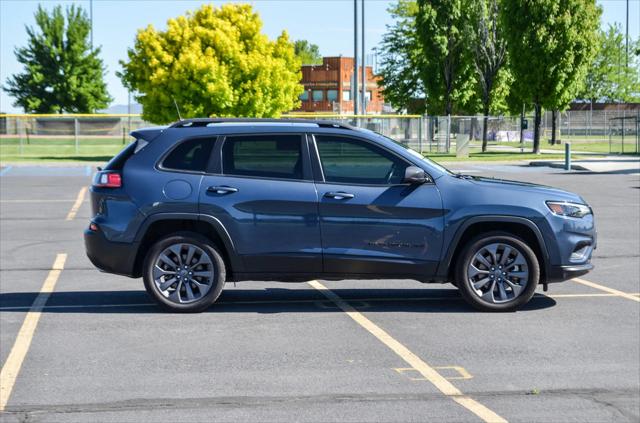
[554, 120]
[485, 121]
[536, 128]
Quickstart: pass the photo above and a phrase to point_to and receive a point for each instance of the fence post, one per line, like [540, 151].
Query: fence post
[20, 127]
[448, 141]
[567, 156]
[75, 133]
[624, 115]
[420, 124]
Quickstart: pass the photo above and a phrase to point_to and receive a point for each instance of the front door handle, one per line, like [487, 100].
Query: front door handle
[339, 195]
[222, 189]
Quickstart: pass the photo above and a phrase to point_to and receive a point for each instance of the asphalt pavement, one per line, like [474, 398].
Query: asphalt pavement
[390, 350]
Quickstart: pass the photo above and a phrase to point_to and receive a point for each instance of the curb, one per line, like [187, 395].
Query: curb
[556, 165]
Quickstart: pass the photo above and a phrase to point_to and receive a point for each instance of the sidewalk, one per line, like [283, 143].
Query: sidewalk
[608, 164]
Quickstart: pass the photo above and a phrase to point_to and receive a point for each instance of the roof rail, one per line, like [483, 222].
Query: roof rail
[202, 122]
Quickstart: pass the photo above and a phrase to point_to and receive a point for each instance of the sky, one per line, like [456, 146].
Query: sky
[327, 23]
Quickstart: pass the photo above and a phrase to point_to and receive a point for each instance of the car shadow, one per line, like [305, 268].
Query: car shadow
[267, 301]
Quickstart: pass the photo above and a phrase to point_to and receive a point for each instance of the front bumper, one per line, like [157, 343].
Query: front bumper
[563, 273]
[109, 256]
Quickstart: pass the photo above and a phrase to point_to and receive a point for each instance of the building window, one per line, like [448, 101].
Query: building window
[346, 95]
[304, 96]
[368, 95]
[332, 95]
[318, 95]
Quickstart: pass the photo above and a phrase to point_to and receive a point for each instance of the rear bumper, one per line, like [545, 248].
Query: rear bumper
[109, 256]
[563, 273]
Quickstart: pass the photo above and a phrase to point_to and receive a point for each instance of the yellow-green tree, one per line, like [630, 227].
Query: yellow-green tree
[213, 62]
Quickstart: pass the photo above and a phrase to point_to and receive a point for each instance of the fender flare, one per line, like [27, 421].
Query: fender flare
[445, 263]
[218, 226]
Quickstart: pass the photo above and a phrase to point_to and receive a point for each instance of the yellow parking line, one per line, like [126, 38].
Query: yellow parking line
[429, 373]
[607, 289]
[77, 204]
[11, 367]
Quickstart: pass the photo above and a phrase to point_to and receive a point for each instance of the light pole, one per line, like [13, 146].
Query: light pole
[364, 69]
[355, 57]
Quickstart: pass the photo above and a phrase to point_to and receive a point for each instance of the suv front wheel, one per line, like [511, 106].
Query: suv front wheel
[184, 272]
[497, 272]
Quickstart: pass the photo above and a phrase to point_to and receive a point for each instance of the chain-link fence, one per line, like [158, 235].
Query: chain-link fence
[101, 136]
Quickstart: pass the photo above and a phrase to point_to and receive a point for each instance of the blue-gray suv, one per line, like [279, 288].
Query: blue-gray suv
[205, 201]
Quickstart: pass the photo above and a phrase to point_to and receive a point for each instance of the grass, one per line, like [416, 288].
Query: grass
[496, 156]
[94, 149]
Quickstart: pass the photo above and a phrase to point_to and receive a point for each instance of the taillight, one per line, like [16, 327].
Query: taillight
[108, 180]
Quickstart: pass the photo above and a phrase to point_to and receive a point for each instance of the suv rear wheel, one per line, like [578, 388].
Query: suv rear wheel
[184, 272]
[497, 272]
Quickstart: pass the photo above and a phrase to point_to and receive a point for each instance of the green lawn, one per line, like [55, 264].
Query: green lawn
[497, 156]
[59, 149]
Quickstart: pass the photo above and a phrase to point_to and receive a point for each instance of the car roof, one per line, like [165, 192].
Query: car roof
[278, 123]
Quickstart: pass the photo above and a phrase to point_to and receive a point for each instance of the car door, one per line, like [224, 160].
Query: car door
[371, 222]
[264, 196]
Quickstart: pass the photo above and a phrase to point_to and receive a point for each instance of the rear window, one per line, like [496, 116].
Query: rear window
[191, 155]
[118, 161]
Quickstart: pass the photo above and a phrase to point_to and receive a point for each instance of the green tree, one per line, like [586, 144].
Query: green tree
[551, 45]
[489, 60]
[444, 31]
[213, 62]
[62, 72]
[609, 78]
[309, 54]
[401, 59]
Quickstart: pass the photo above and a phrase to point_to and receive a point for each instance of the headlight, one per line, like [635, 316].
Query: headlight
[568, 209]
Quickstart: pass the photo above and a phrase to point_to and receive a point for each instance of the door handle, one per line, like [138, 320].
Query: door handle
[339, 195]
[222, 189]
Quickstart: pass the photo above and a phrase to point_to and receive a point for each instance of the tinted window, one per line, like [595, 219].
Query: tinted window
[268, 156]
[347, 160]
[192, 155]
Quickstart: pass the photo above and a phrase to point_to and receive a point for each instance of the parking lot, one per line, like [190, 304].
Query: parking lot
[391, 350]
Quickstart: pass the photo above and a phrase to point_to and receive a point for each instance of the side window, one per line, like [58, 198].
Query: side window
[192, 155]
[267, 156]
[351, 161]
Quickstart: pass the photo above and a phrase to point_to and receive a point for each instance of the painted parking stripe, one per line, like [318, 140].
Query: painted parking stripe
[55, 200]
[12, 366]
[429, 373]
[606, 289]
[77, 204]
[5, 170]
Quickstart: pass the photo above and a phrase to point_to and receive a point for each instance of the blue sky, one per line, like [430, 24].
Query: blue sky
[327, 23]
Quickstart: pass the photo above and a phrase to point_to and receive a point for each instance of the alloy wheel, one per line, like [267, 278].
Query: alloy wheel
[183, 273]
[498, 273]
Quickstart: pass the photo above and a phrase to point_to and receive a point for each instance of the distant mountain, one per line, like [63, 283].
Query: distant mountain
[117, 109]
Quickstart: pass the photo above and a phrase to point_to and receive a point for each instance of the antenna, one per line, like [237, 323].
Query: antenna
[177, 108]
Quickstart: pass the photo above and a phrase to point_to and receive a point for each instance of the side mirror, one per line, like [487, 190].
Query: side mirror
[415, 175]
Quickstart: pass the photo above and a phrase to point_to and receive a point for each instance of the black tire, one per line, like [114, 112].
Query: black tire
[473, 297]
[216, 270]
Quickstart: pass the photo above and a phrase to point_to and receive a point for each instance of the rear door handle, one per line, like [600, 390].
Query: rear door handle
[339, 195]
[222, 189]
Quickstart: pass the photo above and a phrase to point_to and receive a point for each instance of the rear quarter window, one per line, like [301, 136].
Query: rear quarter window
[191, 155]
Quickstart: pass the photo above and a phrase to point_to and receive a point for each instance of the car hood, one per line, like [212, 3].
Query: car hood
[550, 193]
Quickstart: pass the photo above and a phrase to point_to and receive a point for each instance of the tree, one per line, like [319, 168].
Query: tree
[309, 54]
[401, 60]
[62, 72]
[213, 62]
[551, 44]
[445, 36]
[609, 78]
[490, 57]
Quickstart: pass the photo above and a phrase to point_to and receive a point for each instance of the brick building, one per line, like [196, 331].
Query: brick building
[327, 87]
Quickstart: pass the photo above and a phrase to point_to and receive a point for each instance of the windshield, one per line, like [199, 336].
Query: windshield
[411, 151]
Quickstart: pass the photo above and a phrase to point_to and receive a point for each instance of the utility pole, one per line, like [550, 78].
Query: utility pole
[626, 40]
[91, 18]
[355, 57]
[364, 69]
